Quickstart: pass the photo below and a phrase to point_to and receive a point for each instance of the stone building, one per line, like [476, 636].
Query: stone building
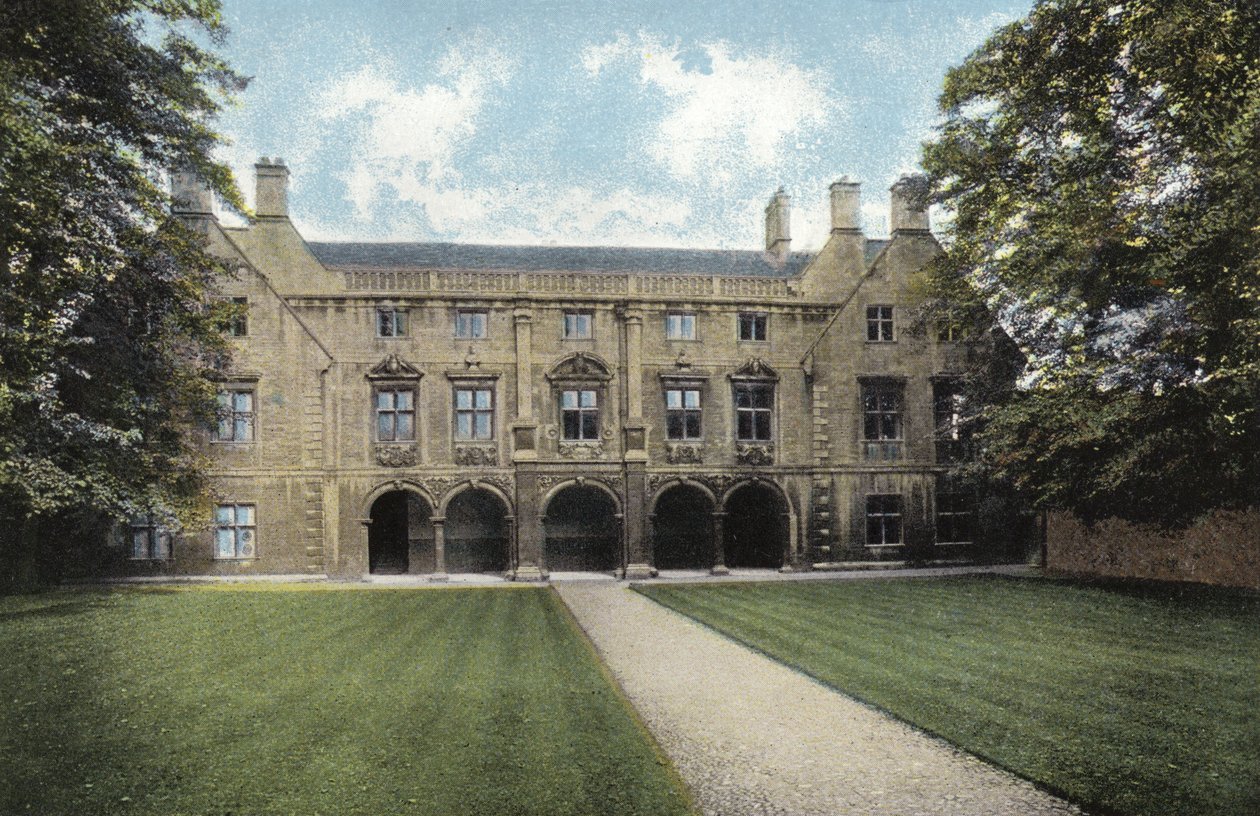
[436, 408]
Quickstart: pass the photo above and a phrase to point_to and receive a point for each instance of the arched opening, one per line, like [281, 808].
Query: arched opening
[476, 532]
[683, 529]
[582, 531]
[755, 534]
[400, 537]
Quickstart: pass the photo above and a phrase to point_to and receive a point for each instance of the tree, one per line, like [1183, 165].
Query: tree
[1101, 162]
[106, 346]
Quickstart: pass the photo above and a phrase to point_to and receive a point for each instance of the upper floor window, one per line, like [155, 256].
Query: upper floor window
[395, 415]
[680, 326]
[150, 541]
[579, 411]
[954, 519]
[577, 325]
[236, 321]
[470, 324]
[754, 410]
[391, 322]
[879, 324]
[236, 416]
[234, 531]
[882, 430]
[883, 521]
[474, 413]
[752, 325]
[682, 413]
[950, 331]
[948, 404]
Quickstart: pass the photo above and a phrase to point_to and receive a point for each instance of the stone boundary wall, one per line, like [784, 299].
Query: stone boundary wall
[1221, 549]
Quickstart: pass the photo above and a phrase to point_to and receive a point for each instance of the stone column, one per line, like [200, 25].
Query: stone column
[529, 528]
[719, 545]
[633, 429]
[637, 559]
[524, 428]
[439, 548]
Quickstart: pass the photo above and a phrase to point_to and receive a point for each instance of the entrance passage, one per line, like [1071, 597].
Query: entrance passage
[683, 529]
[400, 537]
[476, 533]
[756, 527]
[582, 531]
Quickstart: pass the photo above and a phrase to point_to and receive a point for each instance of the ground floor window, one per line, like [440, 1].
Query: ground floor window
[954, 519]
[883, 520]
[234, 531]
[150, 541]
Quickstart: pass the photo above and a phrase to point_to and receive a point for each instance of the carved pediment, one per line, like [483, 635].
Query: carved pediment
[755, 369]
[394, 367]
[580, 366]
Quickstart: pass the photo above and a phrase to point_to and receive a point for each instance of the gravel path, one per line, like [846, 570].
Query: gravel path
[750, 736]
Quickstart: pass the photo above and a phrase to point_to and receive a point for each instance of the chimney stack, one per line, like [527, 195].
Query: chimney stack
[189, 196]
[845, 205]
[271, 188]
[778, 225]
[909, 204]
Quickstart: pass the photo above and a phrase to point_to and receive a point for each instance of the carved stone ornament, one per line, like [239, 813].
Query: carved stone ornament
[755, 368]
[396, 455]
[582, 450]
[477, 455]
[755, 454]
[580, 366]
[681, 453]
[394, 367]
[438, 485]
[504, 483]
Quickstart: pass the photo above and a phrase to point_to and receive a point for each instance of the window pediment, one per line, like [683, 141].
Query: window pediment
[394, 367]
[755, 368]
[580, 366]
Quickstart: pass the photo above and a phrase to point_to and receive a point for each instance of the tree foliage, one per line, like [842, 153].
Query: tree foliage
[1101, 161]
[105, 344]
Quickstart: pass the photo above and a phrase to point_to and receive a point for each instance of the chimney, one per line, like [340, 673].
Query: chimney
[909, 204]
[189, 196]
[845, 200]
[778, 225]
[271, 190]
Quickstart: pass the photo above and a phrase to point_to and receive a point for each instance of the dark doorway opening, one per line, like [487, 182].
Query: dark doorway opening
[756, 527]
[683, 529]
[582, 530]
[476, 533]
[400, 537]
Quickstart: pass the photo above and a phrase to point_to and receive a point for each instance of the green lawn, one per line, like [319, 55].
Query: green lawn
[1136, 701]
[310, 701]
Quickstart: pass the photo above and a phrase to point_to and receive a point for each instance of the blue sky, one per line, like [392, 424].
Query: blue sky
[623, 124]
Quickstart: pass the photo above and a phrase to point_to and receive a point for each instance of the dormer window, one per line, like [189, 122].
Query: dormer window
[879, 324]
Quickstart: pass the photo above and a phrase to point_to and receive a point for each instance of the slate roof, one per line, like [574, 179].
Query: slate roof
[633, 260]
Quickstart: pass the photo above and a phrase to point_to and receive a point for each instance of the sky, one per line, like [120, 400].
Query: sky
[589, 123]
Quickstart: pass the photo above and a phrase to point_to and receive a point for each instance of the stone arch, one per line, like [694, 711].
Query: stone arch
[400, 534]
[582, 527]
[474, 484]
[684, 481]
[477, 525]
[758, 524]
[394, 484]
[682, 526]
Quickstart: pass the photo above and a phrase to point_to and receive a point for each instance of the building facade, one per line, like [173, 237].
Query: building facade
[438, 408]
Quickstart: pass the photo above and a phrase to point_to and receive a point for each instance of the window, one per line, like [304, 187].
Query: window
[950, 331]
[470, 325]
[474, 413]
[754, 405]
[881, 420]
[577, 325]
[883, 521]
[580, 415]
[953, 519]
[680, 326]
[752, 325]
[236, 416]
[391, 322]
[234, 531]
[236, 322]
[948, 404]
[395, 415]
[150, 541]
[682, 413]
[879, 324]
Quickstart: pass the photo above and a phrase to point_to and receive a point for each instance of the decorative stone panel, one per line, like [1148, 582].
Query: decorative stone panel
[477, 455]
[396, 455]
[754, 455]
[681, 453]
[582, 450]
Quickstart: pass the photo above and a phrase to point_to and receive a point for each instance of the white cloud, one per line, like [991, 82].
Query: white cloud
[741, 112]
